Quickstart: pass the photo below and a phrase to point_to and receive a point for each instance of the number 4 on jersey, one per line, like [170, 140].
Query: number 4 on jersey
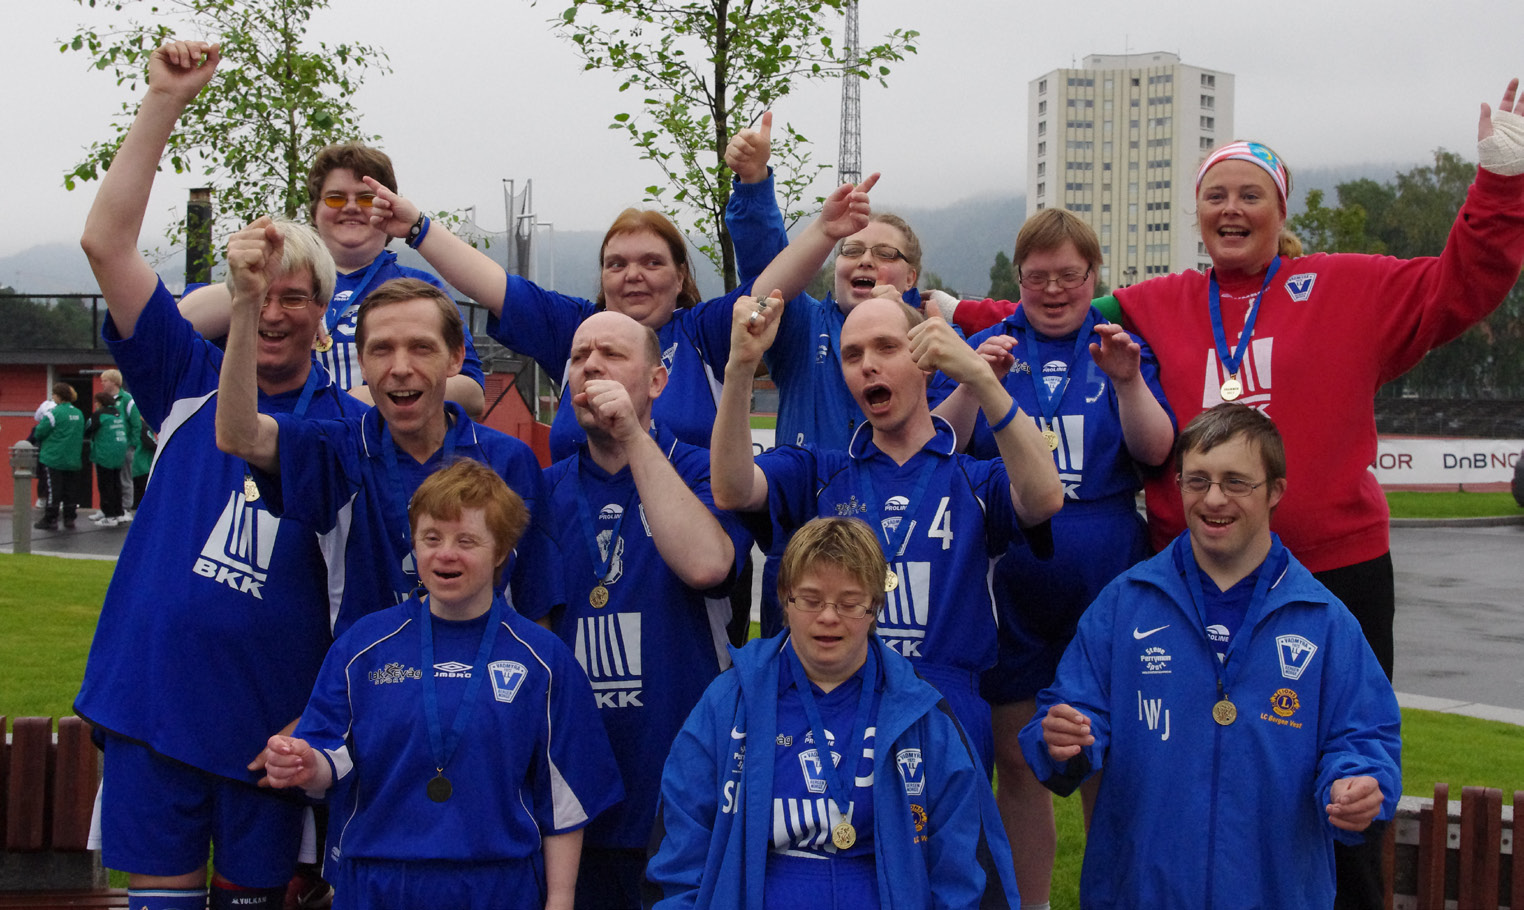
[941, 525]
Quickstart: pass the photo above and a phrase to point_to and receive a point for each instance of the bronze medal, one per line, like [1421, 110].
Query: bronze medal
[844, 835]
[250, 489]
[1231, 389]
[891, 581]
[1224, 712]
[1051, 438]
[439, 788]
[599, 597]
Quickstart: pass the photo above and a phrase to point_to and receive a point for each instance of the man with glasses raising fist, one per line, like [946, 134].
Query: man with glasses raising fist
[1242, 720]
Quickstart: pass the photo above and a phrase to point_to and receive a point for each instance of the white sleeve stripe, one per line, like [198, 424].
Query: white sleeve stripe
[566, 808]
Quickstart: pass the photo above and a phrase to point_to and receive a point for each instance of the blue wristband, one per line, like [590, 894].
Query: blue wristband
[419, 231]
[1006, 420]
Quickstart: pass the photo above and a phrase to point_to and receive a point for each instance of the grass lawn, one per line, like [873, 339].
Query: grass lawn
[764, 422]
[1415, 504]
[49, 606]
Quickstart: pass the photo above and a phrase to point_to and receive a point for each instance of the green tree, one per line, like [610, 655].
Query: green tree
[705, 69]
[1003, 285]
[1408, 217]
[35, 323]
[277, 99]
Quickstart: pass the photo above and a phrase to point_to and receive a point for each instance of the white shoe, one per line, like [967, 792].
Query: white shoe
[109, 522]
[97, 516]
[38, 504]
[126, 517]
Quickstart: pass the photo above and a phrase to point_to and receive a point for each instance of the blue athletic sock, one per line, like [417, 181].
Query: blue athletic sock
[166, 898]
[232, 897]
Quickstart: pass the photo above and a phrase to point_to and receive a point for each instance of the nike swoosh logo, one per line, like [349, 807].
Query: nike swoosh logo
[1142, 635]
[736, 734]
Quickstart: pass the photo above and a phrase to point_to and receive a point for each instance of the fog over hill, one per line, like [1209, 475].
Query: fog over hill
[959, 242]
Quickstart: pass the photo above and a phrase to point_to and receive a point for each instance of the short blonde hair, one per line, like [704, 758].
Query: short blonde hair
[845, 543]
[469, 484]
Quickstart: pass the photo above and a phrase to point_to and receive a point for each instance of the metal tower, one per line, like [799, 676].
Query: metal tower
[849, 163]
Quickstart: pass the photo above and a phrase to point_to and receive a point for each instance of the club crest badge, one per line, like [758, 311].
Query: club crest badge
[1300, 286]
[1295, 653]
[912, 771]
[506, 676]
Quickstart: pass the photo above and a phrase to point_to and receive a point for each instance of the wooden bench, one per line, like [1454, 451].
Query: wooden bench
[1464, 854]
[47, 796]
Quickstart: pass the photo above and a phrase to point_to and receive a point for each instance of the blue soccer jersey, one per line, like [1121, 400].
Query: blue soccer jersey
[695, 346]
[532, 758]
[1098, 533]
[216, 619]
[345, 477]
[654, 645]
[343, 359]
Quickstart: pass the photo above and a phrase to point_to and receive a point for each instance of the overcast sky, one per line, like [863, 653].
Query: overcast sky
[483, 90]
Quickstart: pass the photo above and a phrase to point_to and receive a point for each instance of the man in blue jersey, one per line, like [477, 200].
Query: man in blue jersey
[216, 621]
[356, 476]
[646, 562]
[1242, 721]
[942, 517]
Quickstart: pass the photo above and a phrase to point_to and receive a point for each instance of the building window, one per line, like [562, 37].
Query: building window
[1042, 128]
[1208, 123]
[1077, 187]
[1160, 162]
[1041, 206]
[1206, 142]
[1079, 165]
[1159, 122]
[1042, 108]
[1042, 86]
[1134, 84]
[1207, 102]
[1042, 148]
[1158, 184]
[1208, 80]
[1106, 207]
[1042, 168]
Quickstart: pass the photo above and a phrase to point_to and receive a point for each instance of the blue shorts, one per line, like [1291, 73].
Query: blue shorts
[158, 817]
[388, 884]
[837, 883]
[961, 689]
[1040, 602]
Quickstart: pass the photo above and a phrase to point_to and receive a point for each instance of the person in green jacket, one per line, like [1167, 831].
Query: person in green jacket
[142, 463]
[132, 423]
[107, 432]
[61, 435]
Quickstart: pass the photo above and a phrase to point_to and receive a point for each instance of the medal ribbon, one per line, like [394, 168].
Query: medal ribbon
[443, 748]
[895, 541]
[309, 388]
[1198, 599]
[1231, 362]
[1048, 403]
[838, 776]
[396, 503]
[601, 563]
[336, 309]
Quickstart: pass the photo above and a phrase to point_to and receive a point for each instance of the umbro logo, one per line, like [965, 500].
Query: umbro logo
[1136, 634]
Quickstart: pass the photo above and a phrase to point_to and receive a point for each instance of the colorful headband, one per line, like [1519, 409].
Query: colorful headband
[1254, 153]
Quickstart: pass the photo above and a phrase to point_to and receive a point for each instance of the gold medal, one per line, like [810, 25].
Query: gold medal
[891, 581]
[844, 836]
[1224, 712]
[323, 344]
[599, 597]
[250, 489]
[1231, 389]
[1051, 438]
[439, 788]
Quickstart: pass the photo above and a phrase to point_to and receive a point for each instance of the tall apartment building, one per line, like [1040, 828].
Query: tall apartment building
[1118, 142]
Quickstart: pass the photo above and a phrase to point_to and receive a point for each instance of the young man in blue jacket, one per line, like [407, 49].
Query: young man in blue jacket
[1243, 722]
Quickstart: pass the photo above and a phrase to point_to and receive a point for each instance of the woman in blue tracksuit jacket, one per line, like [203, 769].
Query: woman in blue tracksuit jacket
[942, 848]
[1193, 813]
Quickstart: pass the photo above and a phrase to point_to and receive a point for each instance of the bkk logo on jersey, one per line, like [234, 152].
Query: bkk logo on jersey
[237, 552]
[1300, 286]
[1254, 373]
[452, 669]
[608, 648]
[1295, 653]
[912, 771]
[906, 613]
[506, 676]
[803, 826]
[896, 504]
[1070, 454]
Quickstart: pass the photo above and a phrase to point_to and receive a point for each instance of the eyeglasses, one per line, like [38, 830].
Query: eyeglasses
[339, 200]
[883, 252]
[289, 300]
[1067, 280]
[846, 610]
[1197, 485]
